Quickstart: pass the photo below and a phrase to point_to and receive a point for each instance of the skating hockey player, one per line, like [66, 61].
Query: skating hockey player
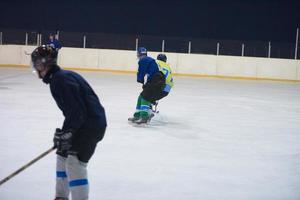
[166, 70]
[153, 87]
[83, 127]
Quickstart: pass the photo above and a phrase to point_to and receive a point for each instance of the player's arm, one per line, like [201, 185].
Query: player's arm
[58, 45]
[141, 72]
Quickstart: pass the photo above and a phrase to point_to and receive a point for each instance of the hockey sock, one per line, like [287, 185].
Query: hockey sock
[145, 107]
[138, 103]
[138, 107]
[62, 185]
[77, 176]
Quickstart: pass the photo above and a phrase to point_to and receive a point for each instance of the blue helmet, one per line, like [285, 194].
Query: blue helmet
[142, 51]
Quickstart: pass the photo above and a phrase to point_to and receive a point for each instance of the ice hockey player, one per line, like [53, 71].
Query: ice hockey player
[153, 86]
[166, 70]
[54, 42]
[83, 127]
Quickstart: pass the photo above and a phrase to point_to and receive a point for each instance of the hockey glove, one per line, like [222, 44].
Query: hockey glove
[62, 140]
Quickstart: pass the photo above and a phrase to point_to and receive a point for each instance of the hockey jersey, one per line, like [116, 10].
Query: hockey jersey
[147, 66]
[166, 70]
[76, 99]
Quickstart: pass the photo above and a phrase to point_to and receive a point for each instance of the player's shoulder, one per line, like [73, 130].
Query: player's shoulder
[64, 76]
[146, 59]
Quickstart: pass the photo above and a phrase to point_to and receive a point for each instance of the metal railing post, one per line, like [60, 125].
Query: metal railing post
[37, 39]
[190, 47]
[218, 48]
[57, 35]
[296, 45]
[84, 41]
[243, 49]
[40, 39]
[26, 39]
[163, 46]
[136, 44]
[269, 50]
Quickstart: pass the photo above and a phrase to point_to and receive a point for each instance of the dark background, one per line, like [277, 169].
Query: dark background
[232, 22]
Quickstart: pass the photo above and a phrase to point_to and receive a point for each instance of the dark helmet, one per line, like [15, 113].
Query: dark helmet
[44, 55]
[162, 57]
[142, 51]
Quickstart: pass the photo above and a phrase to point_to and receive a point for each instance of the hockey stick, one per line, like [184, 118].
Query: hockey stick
[155, 107]
[26, 53]
[27, 165]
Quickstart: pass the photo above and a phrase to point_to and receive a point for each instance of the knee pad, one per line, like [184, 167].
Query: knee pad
[76, 169]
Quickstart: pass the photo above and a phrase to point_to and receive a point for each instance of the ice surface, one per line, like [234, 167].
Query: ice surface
[214, 139]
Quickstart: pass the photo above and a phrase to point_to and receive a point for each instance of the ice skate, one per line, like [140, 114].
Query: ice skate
[143, 120]
[133, 119]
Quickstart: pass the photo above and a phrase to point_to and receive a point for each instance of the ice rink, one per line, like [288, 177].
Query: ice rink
[214, 139]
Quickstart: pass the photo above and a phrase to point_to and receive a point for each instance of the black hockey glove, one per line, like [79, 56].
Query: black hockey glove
[62, 140]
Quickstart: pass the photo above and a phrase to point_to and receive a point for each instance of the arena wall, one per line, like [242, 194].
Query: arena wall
[182, 64]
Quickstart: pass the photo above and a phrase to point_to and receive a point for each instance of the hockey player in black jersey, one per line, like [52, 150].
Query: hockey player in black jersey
[83, 127]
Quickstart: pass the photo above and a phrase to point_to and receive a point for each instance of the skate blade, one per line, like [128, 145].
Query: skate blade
[139, 124]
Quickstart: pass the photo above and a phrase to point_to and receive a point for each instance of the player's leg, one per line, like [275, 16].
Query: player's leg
[161, 95]
[77, 175]
[144, 112]
[145, 108]
[83, 147]
[136, 114]
[62, 185]
[149, 95]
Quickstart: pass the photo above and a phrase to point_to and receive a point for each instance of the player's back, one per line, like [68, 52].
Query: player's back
[147, 66]
[64, 80]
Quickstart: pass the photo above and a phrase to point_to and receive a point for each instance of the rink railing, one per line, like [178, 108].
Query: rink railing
[199, 65]
[269, 49]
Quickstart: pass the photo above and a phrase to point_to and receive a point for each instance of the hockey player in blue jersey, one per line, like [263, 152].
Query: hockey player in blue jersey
[84, 125]
[54, 42]
[152, 86]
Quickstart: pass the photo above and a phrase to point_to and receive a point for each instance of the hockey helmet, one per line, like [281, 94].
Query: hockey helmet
[43, 56]
[162, 57]
[142, 51]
